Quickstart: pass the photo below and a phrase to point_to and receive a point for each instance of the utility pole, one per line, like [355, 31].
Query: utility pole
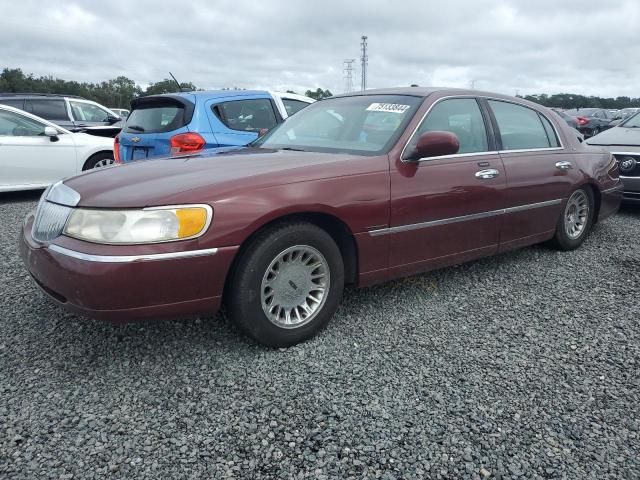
[364, 60]
[348, 74]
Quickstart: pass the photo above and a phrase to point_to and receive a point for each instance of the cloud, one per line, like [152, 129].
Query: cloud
[546, 46]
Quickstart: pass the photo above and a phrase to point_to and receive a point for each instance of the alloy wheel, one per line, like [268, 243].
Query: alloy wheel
[576, 214]
[295, 286]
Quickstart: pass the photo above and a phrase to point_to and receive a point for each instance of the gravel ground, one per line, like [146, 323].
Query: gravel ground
[520, 366]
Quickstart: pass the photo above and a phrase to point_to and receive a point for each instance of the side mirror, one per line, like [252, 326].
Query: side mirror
[111, 119]
[435, 144]
[52, 133]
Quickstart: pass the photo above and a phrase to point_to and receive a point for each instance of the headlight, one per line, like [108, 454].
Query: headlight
[150, 225]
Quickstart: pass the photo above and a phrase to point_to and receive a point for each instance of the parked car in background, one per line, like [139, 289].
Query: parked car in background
[623, 141]
[571, 121]
[187, 122]
[358, 188]
[591, 121]
[72, 113]
[123, 113]
[622, 115]
[35, 153]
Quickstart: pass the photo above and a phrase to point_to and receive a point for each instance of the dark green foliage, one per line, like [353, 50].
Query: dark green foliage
[319, 94]
[116, 93]
[572, 100]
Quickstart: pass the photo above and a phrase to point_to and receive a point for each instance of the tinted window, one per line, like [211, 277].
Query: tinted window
[360, 125]
[551, 134]
[520, 127]
[293, 106]
[155, 119]
[54, 109]
[460, 116]
[13, 103]
[87, 112]
[14, 125]
[248, 115]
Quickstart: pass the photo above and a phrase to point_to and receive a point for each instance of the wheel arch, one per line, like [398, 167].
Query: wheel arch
[334, 226]
[93, 155]
[597, 199]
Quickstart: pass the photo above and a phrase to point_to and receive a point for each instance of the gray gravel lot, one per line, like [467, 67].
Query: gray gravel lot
[520, 366]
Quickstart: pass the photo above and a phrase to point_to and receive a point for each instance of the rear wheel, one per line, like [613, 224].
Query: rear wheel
[287, 284]
[575, 221]
[99, 160]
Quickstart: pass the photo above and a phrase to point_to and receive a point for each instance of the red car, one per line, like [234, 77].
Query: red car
[357, 189]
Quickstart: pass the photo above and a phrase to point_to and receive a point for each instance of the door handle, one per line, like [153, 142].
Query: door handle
[488, 173]
[564, 165]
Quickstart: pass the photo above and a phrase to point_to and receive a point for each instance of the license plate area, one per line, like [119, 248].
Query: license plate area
[139, 153]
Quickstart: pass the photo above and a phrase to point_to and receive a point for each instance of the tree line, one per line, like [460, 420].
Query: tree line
[572, 100]
[116, 93]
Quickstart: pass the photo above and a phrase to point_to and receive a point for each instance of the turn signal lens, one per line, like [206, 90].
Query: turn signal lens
[191, 221]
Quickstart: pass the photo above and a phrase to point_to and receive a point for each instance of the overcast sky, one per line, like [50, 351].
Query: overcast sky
[527, 46]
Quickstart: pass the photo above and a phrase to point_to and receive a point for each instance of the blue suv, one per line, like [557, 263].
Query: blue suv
[179, 123]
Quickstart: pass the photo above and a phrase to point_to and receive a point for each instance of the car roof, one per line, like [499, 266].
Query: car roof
[38, 95]
[32, 116]
[217, 93]
[426, 91]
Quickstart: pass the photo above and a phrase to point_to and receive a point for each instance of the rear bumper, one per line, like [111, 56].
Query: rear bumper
[125, 288]
[610, 200]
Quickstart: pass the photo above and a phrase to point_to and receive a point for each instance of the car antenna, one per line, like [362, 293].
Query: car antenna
[177, 83]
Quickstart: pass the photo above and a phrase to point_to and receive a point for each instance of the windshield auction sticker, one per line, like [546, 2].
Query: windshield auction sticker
[388, 107]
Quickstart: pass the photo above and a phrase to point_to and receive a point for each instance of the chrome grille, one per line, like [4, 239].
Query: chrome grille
[50, 220]
[634, 162]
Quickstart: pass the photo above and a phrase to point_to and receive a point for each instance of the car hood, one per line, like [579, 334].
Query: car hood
[617, 136]
[208, 176]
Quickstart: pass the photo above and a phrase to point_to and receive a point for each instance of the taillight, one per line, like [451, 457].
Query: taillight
[116, 149]
[186, 142]
[582, 120]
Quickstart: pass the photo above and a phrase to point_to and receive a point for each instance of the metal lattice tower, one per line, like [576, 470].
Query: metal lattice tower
[348, 75]
[364, 60]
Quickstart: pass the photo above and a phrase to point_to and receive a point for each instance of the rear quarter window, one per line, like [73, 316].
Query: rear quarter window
[155, 119]
[246, 115]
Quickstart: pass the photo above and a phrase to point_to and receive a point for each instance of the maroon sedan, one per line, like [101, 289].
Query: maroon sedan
[355, 189]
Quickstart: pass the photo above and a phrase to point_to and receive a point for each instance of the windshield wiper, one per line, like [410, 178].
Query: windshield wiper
[291, 149]
[135, 127]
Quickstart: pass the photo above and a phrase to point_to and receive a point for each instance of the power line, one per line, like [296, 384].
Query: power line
[348, 74]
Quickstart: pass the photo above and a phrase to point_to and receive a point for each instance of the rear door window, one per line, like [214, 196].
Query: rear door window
[49, 109]
[246, 115]
[155, 118]
[292, 106]
[520, 127]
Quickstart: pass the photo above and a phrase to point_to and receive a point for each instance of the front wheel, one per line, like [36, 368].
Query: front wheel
[575, 221]
[287, 284]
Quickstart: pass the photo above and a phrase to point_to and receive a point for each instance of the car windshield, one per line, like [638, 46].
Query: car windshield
[632, 122]
[361, 125]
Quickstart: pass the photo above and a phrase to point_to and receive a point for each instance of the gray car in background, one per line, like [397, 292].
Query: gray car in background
[623, 141]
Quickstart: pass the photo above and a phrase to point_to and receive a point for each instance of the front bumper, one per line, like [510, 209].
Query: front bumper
[631, 189]
[123, 287]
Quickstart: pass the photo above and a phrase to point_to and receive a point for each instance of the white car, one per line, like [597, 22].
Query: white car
[35, 153]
